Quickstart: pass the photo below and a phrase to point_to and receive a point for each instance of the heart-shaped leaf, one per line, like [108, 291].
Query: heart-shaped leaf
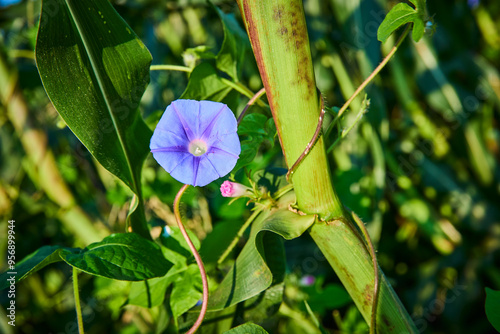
[234, 47]
[186, 291]
[121, 256]
[205, 84]
[401, 14]
[247, 328]
[151, 292]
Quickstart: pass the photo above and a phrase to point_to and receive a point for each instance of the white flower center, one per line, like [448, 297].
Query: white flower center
[197, 147]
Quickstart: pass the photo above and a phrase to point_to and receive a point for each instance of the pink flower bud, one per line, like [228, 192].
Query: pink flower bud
[233, 189]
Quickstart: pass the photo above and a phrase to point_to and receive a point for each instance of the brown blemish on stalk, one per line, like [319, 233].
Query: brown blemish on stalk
[368, 294]
[388, 326]
[349, 278]
[278, 12]
[293, 31]
[283, 31]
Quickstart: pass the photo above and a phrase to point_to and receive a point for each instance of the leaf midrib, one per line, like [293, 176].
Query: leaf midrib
[103, 92]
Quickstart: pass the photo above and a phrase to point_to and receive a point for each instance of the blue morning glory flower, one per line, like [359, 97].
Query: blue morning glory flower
[196, 141]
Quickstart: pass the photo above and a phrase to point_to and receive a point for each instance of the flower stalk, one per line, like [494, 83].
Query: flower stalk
[199, 262]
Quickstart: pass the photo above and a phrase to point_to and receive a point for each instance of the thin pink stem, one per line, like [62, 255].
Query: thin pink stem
[310, 144]
[252, 101]
[197, 257]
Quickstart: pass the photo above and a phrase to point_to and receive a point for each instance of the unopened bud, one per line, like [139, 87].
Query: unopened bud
[233, 189]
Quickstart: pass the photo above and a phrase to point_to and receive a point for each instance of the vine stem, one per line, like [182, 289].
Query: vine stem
[364, 109]
[77, 301]
[242, 89]
[197, 257]
[376, 283]
[171, 68]
[257, 95]
[346, 104]
[371, 76]
[311, 142]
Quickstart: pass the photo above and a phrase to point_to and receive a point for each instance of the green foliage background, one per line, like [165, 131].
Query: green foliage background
[421, 168]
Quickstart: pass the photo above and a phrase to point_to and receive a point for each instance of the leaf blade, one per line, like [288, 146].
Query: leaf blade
[259, 265]
[95, 70]
[121, 256]
[248, 328]
[234, 47]
[492, 307]
[32, 263]
[205, 84]
[400, 14]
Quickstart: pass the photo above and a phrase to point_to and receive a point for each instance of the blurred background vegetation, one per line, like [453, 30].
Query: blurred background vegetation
[420, 167]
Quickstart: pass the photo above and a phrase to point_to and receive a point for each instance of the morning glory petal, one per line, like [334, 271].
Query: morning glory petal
[196, 141]
[163, 138]
[169, 131]
[171, 160]
[211, 112]
[229, 143]
[206, 173]
[188, 112]
[223, 124]
[183, 171]
[198, 115]
[222, 161]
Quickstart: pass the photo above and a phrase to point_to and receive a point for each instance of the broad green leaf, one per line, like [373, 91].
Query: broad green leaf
[492, 307]
[234, 47]
[176, 248]
[122, 256]
[399, 15]
[186, 292]
[95, 69]
[248, 328]
[151, 292]
[265, 304]
[418, 29]
[261, 262]
[253, 125]
[110, 293]
[32, 263]
[205, 84]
